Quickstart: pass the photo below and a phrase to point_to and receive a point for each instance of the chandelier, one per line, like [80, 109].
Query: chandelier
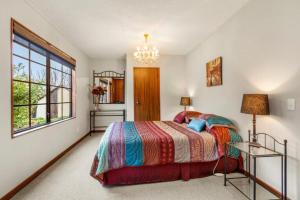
[146, 54]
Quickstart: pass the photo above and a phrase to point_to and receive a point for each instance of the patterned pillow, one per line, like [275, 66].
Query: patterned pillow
[191, 115]
[217, 121]
[180, 117]
[205, 116]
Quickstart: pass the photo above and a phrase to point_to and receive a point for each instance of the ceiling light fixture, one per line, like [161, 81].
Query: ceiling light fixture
[146, 54]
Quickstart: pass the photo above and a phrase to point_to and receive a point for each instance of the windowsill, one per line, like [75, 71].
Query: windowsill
[40, 127]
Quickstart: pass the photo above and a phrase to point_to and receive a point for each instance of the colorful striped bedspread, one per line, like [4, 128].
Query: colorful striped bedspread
[146, 143]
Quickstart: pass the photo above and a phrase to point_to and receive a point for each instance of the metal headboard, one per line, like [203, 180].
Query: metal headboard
[106, 74]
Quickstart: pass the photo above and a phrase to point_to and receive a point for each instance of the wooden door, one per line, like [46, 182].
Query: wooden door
[146, 94]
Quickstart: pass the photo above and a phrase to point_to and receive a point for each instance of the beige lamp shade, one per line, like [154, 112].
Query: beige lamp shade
[257, 104]
[185, 101]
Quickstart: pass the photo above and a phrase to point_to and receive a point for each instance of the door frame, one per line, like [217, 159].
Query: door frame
[134, 105]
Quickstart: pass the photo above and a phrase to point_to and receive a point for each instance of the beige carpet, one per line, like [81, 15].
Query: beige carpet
[69, 179]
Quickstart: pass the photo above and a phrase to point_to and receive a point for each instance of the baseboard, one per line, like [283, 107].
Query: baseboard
[19, 187]
[266, 186]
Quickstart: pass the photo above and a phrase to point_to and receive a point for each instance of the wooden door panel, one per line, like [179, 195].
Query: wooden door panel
[146, 94]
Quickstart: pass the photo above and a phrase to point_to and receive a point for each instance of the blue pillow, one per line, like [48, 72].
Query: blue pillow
[197, 124]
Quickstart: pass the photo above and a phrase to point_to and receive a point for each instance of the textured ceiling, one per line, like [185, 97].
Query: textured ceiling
[110, 28]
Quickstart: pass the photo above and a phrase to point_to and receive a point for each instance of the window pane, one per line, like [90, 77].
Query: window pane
[67, 69]
[21, 117]
[38, 49]
[38, 94]
[55, 65]
[38, 73]
[20, 50]
[56, 112]
[66, 110]
[37, 57]
[38, 115]
[66, 95]
[21, 40]
[21, 68]
[20, 93]
[55, 77]
[66, 80]
[55, 95]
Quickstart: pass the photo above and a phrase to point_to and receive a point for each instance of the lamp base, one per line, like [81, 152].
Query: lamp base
[254, 144]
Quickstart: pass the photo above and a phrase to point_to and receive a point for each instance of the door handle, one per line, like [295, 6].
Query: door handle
[137, 102]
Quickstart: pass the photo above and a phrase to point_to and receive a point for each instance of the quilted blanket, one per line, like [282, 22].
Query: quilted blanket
[146, 143]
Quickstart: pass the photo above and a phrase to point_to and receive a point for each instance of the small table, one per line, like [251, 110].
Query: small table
[103, 113]
[258, 152]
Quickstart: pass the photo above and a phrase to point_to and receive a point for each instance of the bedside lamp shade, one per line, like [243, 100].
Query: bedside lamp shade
[185, 101]
[255, 104]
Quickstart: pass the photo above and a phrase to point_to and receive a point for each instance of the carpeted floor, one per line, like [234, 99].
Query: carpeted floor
[69, 179]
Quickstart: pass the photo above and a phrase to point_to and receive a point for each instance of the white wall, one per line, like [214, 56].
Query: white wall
[172, 85]
[22, 156]
[99, 65]
[260, 48]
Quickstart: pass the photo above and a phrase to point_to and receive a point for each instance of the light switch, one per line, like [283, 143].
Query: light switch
[291, 104]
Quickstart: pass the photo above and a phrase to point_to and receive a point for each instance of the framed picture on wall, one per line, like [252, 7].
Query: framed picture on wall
[214, 72]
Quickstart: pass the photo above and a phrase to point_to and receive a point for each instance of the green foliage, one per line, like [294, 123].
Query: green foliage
[21, 97]
[21, 119]
[36, 121]
[37, 93]
[21, 93]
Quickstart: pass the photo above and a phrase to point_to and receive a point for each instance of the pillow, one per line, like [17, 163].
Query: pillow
[205, 116]
[197, 124]
[218, 121]
[180, 117]
[191, 115]
[187, 119]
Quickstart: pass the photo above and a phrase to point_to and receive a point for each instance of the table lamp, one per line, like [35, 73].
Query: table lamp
[185, 101]
[255, 104]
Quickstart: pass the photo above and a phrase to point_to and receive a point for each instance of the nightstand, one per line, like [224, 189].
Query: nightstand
[103, 113]
[258, 152]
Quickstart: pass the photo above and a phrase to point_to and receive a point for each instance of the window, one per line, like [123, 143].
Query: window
[42, 83]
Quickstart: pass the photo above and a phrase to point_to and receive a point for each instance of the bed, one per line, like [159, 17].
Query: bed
[156, 151]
